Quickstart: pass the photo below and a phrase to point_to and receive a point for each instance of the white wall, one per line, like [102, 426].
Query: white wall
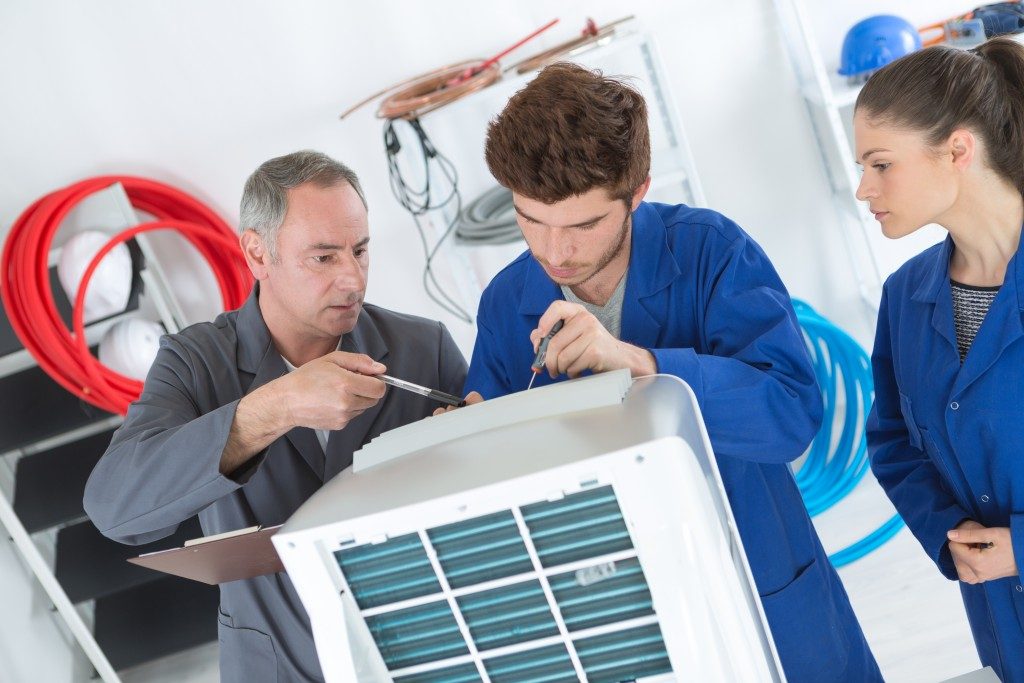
[199, 93]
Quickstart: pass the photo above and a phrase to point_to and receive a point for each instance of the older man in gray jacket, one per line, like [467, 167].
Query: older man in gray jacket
[242, 419]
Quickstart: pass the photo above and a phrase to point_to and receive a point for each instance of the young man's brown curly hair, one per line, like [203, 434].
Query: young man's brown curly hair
[568, 131]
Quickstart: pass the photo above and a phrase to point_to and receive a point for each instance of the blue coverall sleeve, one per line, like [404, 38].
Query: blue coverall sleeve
[163, 463]
[487, 375]
[755, 385]
[899, 461]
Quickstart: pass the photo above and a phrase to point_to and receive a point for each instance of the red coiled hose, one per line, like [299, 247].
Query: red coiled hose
[28, 298]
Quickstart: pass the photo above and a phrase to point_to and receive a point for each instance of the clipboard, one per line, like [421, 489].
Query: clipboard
[236, 555]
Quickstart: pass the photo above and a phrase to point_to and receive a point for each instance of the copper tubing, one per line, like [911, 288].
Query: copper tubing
[590, 35]
[417, 96]
[414, 97]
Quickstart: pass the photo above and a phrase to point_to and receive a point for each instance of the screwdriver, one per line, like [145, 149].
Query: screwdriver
[542, 349]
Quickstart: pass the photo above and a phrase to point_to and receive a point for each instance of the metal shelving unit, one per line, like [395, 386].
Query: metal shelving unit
[830, 101]
[46, 432]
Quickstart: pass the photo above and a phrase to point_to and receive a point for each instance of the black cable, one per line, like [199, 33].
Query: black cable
[419, 202]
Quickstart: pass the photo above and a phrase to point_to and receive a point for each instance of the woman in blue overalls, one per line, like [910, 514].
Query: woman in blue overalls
[940, 134]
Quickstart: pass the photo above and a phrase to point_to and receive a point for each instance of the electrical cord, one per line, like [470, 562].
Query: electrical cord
[834, 466]
[489, 219]
[28, 298]
[420, 201]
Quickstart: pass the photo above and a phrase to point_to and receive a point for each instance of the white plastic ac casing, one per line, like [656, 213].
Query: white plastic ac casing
[654, 453]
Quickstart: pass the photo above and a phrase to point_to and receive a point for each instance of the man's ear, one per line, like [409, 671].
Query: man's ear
[639, 194]
[255, 254]
[963, 146]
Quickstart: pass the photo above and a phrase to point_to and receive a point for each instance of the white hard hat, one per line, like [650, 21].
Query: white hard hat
[130, 347]
[111, 284]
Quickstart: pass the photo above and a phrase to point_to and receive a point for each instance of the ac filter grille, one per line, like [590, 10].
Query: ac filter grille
[565, 595]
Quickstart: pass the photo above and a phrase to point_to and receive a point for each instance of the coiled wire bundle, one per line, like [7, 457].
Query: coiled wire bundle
[834, 466]
[28, 297]
[489, 219]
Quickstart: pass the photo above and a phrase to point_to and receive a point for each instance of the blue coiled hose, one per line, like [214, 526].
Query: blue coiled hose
[834, 466]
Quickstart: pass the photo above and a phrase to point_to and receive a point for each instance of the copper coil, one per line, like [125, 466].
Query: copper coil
[432, 90]
[542, 59]
[417, 95]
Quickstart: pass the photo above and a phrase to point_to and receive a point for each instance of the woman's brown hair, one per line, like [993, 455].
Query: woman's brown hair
[940, 89]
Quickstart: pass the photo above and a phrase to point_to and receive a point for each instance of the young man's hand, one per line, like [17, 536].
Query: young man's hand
[471, 398]
[584, 344]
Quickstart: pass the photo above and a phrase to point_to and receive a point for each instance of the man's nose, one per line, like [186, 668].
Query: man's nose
[350, 275]
[560, 247]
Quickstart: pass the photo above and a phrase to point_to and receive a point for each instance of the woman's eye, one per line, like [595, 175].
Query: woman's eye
[880, 167]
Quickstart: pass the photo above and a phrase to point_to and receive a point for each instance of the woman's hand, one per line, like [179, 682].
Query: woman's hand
[981, 553]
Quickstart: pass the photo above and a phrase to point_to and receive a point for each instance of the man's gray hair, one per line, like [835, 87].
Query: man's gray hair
[265, 197]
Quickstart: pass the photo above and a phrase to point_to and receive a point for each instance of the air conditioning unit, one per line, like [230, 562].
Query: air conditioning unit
[583, 545]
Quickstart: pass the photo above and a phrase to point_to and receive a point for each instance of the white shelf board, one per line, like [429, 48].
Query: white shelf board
[840, 93]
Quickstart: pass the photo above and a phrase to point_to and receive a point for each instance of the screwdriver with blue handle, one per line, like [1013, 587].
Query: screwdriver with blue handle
[542, 349]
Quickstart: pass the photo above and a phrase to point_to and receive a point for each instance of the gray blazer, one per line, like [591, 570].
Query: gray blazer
[162, 465]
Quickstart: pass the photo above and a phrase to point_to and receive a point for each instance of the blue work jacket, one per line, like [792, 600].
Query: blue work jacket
[702, 296]
[947, 440]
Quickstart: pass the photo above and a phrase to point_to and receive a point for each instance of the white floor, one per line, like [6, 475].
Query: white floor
[34, 644]
[913, 617]
[198, 665]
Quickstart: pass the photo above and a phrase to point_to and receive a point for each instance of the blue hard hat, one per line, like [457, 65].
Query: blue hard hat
[874, 42]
